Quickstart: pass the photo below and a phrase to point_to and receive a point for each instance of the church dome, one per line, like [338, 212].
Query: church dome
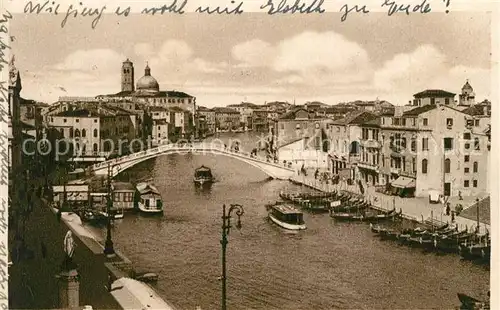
[147, 82]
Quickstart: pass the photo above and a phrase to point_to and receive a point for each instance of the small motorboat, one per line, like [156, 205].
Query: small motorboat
[148, 198]
[203, 175]
[286, 216]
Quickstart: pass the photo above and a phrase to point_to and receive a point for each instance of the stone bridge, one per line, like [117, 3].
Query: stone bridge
[117, 165]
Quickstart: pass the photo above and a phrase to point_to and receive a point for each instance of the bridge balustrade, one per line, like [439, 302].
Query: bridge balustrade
[202, 147]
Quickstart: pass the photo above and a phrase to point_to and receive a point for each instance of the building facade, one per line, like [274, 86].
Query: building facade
[299, 136]
[147, 91]
[246, 113]
[161, 120]
[95, 132]
[344, 136]
[226, 119]
[431, 147]
[209, 116]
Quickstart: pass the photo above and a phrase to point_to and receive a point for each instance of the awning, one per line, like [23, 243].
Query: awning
[403, 182]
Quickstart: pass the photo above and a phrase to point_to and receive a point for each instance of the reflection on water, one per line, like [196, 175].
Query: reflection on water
[328, 266]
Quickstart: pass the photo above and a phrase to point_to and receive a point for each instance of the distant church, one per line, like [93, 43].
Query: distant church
[467, 97]
[147, 91]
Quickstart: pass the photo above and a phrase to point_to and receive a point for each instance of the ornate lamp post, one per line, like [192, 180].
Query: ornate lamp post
[109, 250]
[226, 226]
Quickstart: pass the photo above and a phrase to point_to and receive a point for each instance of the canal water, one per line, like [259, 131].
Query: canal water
[329, 266]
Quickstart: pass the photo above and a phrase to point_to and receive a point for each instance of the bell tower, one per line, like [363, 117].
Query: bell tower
[467, 97]
[127, 75]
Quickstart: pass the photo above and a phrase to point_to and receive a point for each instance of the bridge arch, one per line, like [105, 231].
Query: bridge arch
[117, 165]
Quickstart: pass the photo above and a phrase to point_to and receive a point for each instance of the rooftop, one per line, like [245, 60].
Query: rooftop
[355, 117]
[225, 110]
[372, 123]
[433, 93]
[244, 105]
[291, 115]
[475, 110]
[168, 93]
[92, 111]
[419, 110]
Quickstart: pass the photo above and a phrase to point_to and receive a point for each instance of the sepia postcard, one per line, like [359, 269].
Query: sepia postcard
[271, 154]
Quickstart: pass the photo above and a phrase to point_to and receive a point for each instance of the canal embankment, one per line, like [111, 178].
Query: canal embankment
[33, 282]
[32, 277]
[127, 292]
[413, 209]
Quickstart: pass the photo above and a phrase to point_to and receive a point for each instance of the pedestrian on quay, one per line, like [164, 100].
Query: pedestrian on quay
[452, 216]
[448, 209]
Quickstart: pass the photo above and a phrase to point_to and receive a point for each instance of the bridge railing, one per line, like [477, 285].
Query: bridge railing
[186, 147]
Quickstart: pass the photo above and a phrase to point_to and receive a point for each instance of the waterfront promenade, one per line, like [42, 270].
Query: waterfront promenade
[417, 209]
[33, 283]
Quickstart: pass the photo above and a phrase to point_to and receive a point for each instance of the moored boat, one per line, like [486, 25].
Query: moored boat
[343, 216]
[286, 216]
[115, 214]
[148, 198]
[203, 175]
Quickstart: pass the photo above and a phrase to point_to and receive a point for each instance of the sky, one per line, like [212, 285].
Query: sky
[254, 57]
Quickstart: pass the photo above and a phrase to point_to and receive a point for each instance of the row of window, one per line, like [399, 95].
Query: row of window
[467, 183]
[447, 166]
[365, 134]
[398, 163]
[396, 121]
[76, 120]
[163, 100]
[76, 133]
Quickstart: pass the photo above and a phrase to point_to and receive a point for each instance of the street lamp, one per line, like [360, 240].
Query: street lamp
[109, 250]
[226, 226]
